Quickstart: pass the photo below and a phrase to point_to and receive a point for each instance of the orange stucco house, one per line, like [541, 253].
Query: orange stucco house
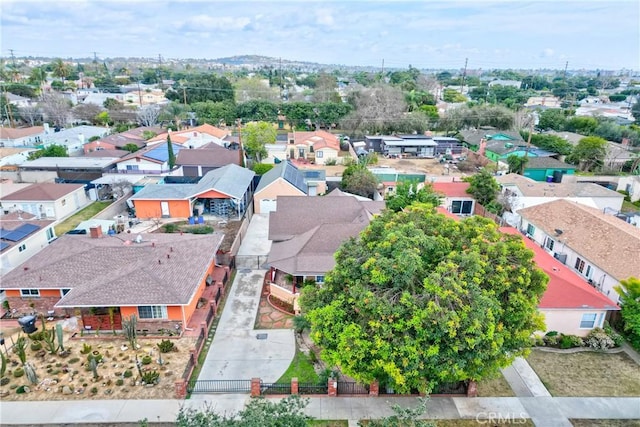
[103, 279]
[225, 191]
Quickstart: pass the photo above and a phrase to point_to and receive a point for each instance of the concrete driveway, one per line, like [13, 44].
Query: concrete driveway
[236, 352]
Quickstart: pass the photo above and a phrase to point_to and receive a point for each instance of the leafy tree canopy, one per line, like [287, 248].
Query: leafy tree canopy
[258, 413]
[50, 151]
[357, 179]
[254, 138]
[483, 187]
[421, 299]
[589, 154]
[408, 193]
[201, 88]
[629, 291]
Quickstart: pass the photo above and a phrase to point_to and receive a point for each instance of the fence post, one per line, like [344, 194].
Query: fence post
[472, 389]
[332, 387]
[180, 389]
[374, 388]
[194, 354]
[294, 385]
[203, 325]
[255, 387]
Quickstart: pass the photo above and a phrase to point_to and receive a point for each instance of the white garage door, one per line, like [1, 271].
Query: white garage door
[267, 205]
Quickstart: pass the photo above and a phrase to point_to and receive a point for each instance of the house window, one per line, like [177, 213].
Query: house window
[300, 152]
[463, 207]
[588, 321]
[133, 167]
[549, 244]
[30, 293]
[531, 230]
[50, 234]
[152, 311]
[63, 292]
[589, 272]
[319, 279]
[64, 202]
[22, 248]
[579, 264]
[319, 154]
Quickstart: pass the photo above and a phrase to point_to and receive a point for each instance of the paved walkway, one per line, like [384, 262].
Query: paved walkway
[236, 352]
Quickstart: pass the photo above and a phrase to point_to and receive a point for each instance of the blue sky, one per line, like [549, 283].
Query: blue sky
[425, 34]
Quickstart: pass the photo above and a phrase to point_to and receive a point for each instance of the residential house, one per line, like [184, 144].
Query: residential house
[199, 161]
[73, 139]
[599, 247]
[47, 200]
[150, 160]
[478, 140]
[159, 278]
[543, 102]
[195, 137]
[390, 177]
[523, 192]
[112, 142]
[225, 191]
[17, 100]
[412, 145]
[67, 169]
[21, 137]
[456, 199]
[547, 169]
[316, 180]
[569, 304]
[306, 232]
[144, 97]
[512, 83]
[283, 180]
[22, 235]
[14, 156]
[99, 98]
[317, 147]
[617, 154]
[107, 153]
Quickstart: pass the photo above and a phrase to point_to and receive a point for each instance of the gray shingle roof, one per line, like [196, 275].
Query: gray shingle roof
[232, 180]
[286, 171]
[111, 272]
[164, 192]
[546, 163]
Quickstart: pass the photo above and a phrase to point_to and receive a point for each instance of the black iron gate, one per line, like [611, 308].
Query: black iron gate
[349, 387]
[219, 386]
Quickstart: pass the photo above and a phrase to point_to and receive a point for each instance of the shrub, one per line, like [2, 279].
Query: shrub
[86, 349]
[201, 229]
[551, 334]
[599, 340]
[146, 360]
[127, 373]
[166, 346]
[94, 390]
[73, 360]
[570, 341]
[4, 381]
[618, 339]
[20, 390]
[551, 340]
[262, 168]
[170, 228]
[330, 162]
[18, 372]
[35, 346]
[119, 382]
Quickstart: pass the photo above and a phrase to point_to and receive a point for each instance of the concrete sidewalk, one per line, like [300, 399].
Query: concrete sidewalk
[326, 408]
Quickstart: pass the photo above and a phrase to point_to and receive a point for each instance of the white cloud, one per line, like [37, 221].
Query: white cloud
[207, 22]
[324, 17]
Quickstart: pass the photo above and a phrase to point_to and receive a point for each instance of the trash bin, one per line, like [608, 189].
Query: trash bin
[549, 178]
[28, 324]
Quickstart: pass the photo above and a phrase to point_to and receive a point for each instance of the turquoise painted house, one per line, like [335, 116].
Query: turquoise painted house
[547, 169]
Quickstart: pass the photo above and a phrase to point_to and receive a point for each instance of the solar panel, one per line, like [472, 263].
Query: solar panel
[4, 232]
[21, 232]
[162, 153]
[3, 246]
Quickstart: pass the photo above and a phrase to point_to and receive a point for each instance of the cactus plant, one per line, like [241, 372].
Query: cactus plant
[129, 327]
[93, 365]
[60, 336]
[49, 339]
[3, 366]
[30, 372]
[20, 348]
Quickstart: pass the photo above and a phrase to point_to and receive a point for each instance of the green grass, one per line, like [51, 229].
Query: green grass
[495, 387]
[629, 207]
[328, 423]
[301, 368]
[87, 213]
[604, 423]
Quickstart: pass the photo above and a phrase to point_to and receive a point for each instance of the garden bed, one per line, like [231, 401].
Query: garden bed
[71, 377]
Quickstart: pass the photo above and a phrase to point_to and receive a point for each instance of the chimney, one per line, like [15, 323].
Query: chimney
[95, 232]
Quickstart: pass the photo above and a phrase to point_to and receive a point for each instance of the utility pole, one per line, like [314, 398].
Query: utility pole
[382, 69]
[281, 87]
[564, 76]
[526, 151]
[7, 107]
[139, 92]
[464, 74]
[184, 95]
[241, 155]
[13, 59]
[95, 61]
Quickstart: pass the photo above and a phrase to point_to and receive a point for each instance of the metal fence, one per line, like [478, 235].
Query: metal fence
[219, 386]
[218, 295]
[275, 388]
[350, 387]
[312, 388]
[200, 339]
[253, 262]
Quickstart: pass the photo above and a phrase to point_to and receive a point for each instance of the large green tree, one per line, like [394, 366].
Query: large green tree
[483, 187]
[419, 299]
[215, 113]
[357, 179]
[254, 138]
[408, 193]
[589, 154]
[171, 157]
[552, 118]
[201, 88]
[50, 151]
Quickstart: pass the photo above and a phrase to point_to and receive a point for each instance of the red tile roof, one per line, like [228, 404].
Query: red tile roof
[452, 189]
[566, 290]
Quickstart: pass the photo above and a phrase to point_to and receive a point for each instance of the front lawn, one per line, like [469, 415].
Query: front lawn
[604, 423]
[301, 368]
[87, 213]
[587, 374]
[495, 387]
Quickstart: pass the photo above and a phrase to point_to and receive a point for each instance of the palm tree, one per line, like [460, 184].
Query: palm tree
[175, 112]
[60, 69]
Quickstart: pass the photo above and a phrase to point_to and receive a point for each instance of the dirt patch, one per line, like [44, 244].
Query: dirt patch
[70, 377]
